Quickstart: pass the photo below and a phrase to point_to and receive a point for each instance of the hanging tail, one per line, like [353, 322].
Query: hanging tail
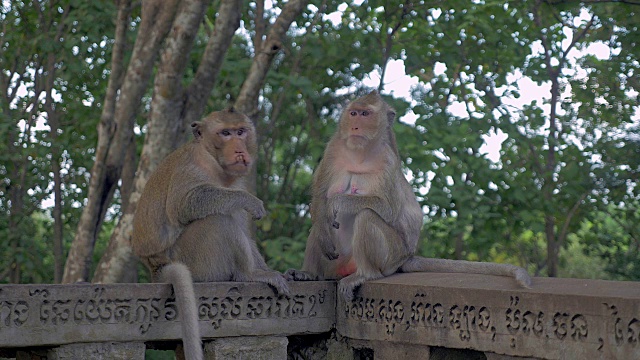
[179, 276]
[421, 264]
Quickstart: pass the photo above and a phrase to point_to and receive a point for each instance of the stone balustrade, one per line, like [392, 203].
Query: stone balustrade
[405, 316]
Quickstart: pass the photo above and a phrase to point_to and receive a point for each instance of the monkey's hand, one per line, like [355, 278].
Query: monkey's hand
[352, 204]
[329, 250]
[255, 207]
[299, 275]
[274, 279]
[320, 236]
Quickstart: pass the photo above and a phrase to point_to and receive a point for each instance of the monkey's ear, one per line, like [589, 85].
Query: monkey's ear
[391, 116]
[195, 128]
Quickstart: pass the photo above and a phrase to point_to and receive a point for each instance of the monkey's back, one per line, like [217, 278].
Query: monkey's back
[153, 231]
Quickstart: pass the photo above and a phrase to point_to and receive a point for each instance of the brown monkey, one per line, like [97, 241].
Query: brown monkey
[191, 222]
[366, 220]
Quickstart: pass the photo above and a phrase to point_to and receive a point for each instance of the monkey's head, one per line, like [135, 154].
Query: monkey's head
[366, 119]
[230, 138]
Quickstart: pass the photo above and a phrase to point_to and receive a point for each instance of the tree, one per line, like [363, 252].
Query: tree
[115, 130]
[52, 66]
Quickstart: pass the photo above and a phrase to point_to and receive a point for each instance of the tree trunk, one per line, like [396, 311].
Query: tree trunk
[247, 101]
[166, 129]
[199, 90]
[552, 246]
[115, 131]
[130, 273]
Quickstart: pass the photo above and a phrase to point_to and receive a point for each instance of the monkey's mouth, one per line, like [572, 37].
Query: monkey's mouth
[241, 160]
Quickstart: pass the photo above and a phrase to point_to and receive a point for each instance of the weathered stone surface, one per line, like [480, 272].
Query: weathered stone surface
[98, 351]
[394, 351]
[556, 319]
[40, 315]
[492, 356]
[247, 348]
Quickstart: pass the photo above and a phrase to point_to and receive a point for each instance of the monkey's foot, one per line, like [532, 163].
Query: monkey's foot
[275, 280]
[299, 275]
[348, 286]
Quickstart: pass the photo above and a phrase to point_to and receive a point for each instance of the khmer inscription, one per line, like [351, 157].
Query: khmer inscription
[233, 306]
[393, 314]
[562, 325]
[625, 331]
[102, 307]
[13, 313]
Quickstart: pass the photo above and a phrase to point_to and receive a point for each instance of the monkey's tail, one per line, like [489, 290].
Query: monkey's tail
[422, 264]
[178, 275]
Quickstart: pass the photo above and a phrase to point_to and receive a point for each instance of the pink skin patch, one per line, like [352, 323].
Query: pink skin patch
[347, 269]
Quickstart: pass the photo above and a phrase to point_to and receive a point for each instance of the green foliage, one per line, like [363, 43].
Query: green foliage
[35, 35]
[613, 237]
[577, 264]
[159, 355]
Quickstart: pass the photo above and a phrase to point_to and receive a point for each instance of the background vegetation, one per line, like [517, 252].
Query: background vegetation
[554, 83]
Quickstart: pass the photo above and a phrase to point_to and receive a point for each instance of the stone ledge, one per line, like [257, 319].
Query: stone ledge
[555, 319]
[41, 315]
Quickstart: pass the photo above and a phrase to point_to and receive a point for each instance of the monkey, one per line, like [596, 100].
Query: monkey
[192, 219]
[366, 220]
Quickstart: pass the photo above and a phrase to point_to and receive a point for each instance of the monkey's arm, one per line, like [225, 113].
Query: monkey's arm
[205, 199]
[321, 232]
[352, 204]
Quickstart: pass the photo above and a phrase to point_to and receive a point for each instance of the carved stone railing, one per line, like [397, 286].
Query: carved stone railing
[402, 316]
[555, 319]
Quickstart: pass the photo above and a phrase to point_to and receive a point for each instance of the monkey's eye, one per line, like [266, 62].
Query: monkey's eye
[365, 113]
[353, 113]
[240, 132]
[225, 133]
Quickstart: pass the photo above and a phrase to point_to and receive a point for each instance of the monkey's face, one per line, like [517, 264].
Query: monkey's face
[233, 154]
[230, 139]
[360, 124]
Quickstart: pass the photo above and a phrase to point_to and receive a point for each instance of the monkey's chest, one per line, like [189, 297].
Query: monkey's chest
[355, 184]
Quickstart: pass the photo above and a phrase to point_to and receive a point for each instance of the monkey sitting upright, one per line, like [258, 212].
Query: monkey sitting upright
[365, 217]
[191, 222]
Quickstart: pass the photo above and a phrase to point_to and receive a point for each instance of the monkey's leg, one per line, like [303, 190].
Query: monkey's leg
[316, 258]
[218, 248]
[262, 273]
[378, 251]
